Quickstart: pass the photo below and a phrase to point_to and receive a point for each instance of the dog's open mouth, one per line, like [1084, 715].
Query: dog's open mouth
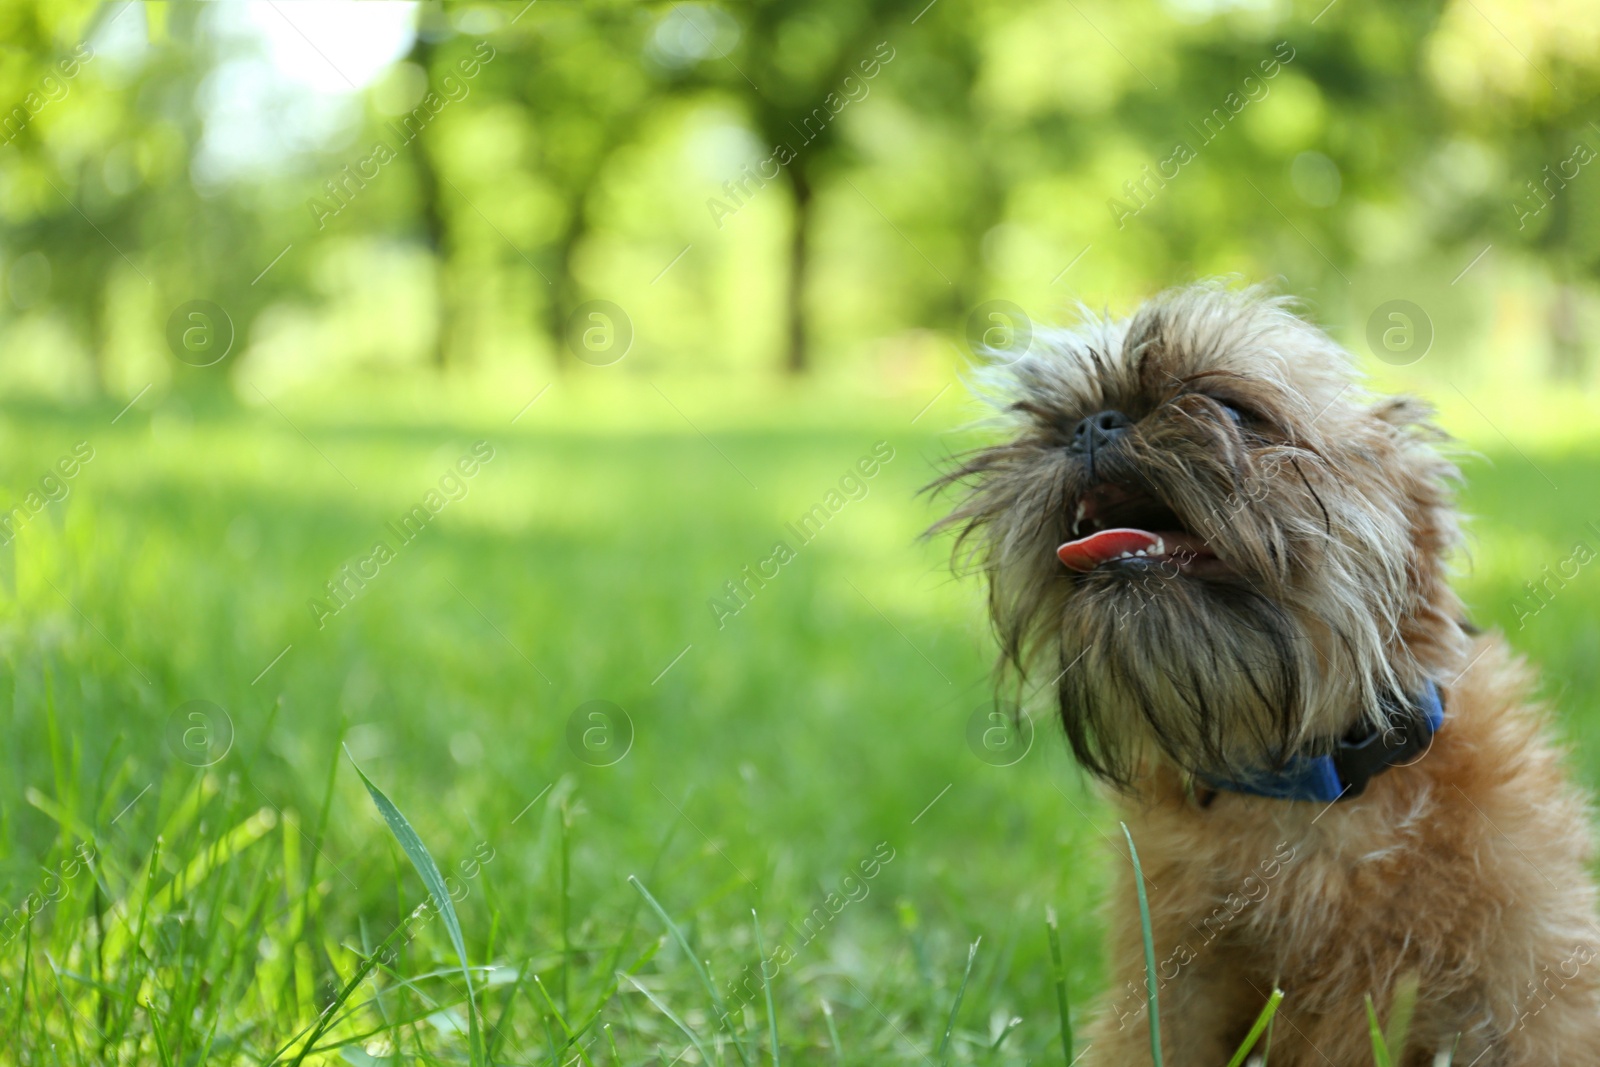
[1117, 525]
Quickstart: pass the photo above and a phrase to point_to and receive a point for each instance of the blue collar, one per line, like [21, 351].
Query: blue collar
[1345, 773]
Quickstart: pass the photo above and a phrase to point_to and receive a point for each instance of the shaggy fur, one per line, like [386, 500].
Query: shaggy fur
[1327, 605]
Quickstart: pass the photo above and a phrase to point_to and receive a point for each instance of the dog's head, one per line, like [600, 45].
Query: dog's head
[1213, 541]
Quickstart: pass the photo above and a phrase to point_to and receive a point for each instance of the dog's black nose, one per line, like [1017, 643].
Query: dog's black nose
[1099, 430]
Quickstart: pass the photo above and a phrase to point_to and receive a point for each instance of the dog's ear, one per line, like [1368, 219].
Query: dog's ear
[1417, 453]
[1424, 479]
[1409, 414]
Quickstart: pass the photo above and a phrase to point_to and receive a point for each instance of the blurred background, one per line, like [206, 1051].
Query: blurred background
[452, 383]
[772, 190]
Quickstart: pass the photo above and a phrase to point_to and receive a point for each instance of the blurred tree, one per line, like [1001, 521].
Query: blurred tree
[103, 185]
[1001, 142]
[794, 67]
[58, 253]
[433, 216]
[937, 71]
[1526, 102]
[579, 78]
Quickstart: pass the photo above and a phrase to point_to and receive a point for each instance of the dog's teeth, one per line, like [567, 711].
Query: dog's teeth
[1077, 519]
[1140, 552]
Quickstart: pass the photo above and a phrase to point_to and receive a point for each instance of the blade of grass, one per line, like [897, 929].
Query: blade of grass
[566, 906]
[694, 1038]
[22, 986]
[60, 813]
[1263, 1021]
[638, 964]
[497, 1031]
[550, 1040]
[155, 1032]
[1005, 1032]
[1400, 1010]
[422, 860]
[615, 958]
[572, 1037]
[683, 943]
[322, 822]
[833, 1033]
[58, 760]
[195, 871]
[330, 1014]
[137, 899]
[955, 1009]
[1151, 993]
[1380, 1048]
[141, 892]
[1059, 973]
[772, 1015]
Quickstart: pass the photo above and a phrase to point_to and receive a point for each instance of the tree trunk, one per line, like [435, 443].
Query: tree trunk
[433, 222]
[97, 292]
[1567, 355]
[798, 357]
[1566, 334]
[562, 287]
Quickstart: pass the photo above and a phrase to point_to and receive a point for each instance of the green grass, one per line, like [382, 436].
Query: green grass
[818, 735]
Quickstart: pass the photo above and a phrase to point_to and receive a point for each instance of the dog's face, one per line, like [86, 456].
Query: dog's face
[1212, 540]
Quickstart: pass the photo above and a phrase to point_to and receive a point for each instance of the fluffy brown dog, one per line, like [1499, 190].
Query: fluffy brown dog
[1230, 562]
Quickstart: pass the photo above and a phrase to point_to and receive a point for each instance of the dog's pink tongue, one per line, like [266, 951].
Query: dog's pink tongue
[1087, 553]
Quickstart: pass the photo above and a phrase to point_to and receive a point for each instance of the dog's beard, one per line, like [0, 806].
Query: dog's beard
[1215, 675]
[1208, 655]
[1199, 653]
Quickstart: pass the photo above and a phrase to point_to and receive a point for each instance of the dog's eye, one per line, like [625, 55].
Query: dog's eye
[1233, 413]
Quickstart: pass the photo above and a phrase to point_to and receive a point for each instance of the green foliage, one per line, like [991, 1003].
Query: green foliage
[762, 185]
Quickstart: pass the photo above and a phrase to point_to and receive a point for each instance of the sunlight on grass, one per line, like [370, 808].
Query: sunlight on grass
[258, 905]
